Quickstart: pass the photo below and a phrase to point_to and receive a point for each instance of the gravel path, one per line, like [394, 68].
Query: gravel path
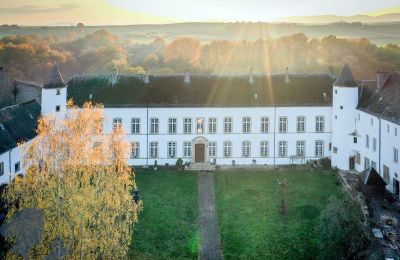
[210, 247]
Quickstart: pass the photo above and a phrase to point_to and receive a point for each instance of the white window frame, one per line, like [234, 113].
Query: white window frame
[283, 124]
[135, 150]
[301, 124]
[283, 149]
[17, 166]
[319, 124]
[395, 155]
[212, 125]
[264, 149]
[117, 123]
[228, 123]
[301, 148]
[246, 149]
[154, 125]
[154, 153]
[187, 125]
[264, 124]
[200, 125]
[172, 123]
[212, 149]
[373, 144]
[246, 125]
[187, 149]
[367, 163]
[319, 148]
[171, 149]
[227, 149]
[135, 125]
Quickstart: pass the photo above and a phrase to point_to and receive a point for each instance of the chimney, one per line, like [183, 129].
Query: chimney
[381, 78]
[146, 76]
[287, 80]
[114, 76]
[186, 79]
[251, 76]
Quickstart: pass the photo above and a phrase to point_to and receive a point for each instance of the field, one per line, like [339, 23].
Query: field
[250, 223]
[247, 205]
[167, 225]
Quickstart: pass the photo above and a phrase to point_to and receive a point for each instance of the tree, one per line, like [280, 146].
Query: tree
[80, 179]
[341, 232]
[151, 60]
[185, 52]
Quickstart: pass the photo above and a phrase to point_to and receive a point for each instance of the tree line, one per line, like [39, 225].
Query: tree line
[31, 57]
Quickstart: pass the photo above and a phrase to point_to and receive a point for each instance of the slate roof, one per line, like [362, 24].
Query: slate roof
[55, 80]
[203, 90]
[18, 123]
[385, 103]
[345, 78]
[371, 177]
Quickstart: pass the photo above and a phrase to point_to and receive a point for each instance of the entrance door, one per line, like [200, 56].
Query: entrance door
[352, 162]
[396, 187]
[199, 153]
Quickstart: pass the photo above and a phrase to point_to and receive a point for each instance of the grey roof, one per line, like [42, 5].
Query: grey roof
[385, 103]
[203, 90]
[371, 177]
[55, 80]
[345, 78]
[18, 123]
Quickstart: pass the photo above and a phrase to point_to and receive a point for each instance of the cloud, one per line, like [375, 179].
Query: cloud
[30, 9]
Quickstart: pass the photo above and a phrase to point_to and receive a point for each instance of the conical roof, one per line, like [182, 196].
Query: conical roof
[345, 78]
[55, 80]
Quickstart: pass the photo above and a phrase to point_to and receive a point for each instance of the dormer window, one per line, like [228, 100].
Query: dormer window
[58, 92]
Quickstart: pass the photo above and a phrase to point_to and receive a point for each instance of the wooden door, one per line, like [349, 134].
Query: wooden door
[199, 153]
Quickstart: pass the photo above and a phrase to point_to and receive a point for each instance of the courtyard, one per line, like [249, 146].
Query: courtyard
[251, 225]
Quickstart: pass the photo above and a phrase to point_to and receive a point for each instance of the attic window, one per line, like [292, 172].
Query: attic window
[58, 92]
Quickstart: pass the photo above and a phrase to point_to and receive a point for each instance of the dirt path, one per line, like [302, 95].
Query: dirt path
[210, 247]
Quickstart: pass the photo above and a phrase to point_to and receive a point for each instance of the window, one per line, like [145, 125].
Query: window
[227, 149]
[395, 131]
[227, 125]
[200, 125]
[358, 158]
[282, 148]
[212, 149]
[135, 125]
[212, 125]
[282, 124]
[366, 163]
[300, 148]
[395, 155]
[171, 125]
[301, 122]
[341, 107]
[319, 124]
[335, 149]
[58, 92]
[372, 121]
[187, 149]
[335, 116]
[388, 128]
[264, 125]
[58, 108]
[355, 140]
[367, 141]
[264, 150]
[246, 148]
[187, 125]
[386, 174]
[117, 123]
[154, 150]
[171, 149]
[373, 144]
[246, 124]
[335, 91]
[359, 116]
[373, 165]
[17, 166]
[319, 148]
[1, 168]
[135, 148]
[154, 125]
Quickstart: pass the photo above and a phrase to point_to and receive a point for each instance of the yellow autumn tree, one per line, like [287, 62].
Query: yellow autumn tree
[78, 177]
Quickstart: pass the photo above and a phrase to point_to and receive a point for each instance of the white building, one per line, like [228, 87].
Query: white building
[245, 120]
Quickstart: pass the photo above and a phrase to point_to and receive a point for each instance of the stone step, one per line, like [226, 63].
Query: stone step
[201, 167]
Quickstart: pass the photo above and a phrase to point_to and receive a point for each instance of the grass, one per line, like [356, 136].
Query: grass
[167, 227]
[250, 224]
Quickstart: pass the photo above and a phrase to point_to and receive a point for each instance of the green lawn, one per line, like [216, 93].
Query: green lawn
[167, 227]
[250, 224]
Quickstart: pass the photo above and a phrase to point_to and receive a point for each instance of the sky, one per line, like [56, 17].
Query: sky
[102, 12]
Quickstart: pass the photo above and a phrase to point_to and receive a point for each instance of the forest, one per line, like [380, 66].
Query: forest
[30, 57]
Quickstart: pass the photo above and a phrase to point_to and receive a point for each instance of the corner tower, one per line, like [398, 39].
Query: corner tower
[344, 105]
[54, 95]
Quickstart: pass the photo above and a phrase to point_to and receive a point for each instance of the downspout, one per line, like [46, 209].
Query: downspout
[380, 140]
[147, 135]
[274, 133]
[9, 163]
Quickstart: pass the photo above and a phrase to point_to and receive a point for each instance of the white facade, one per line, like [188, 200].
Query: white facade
[54, 101]
[10, 165]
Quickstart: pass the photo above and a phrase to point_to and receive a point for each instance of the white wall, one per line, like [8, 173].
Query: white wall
[236, 137]
[50, 100]
[15, 156]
